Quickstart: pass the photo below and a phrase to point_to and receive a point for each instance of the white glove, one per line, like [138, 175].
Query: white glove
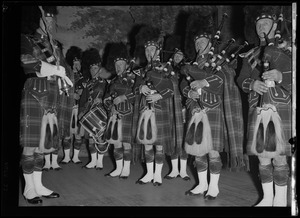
[50, 70]
[144, 89]
[269, 83]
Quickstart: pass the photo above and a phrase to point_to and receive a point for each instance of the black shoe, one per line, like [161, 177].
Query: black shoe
[52, 195]
[142, 183]
[209, 197]
[99, 168]
[46, 169]
[123, 177]
[57, 168]
[157, 183]
[63, 162]
[190, 193]
[186, 178]
[170, 177]
[108, 175]
[36, 200]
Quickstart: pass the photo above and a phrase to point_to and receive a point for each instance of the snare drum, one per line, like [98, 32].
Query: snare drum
[94, 122]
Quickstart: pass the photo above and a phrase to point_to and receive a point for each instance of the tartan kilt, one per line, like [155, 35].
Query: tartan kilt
[33, 105]
[30, 120]
[285, 113]
[216, 122]
[127, 128]
[164, 127]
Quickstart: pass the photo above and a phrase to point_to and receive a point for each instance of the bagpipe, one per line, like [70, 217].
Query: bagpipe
[211, 62]
[215, 62]
[130, 74]
[64, 87]
[216, 41]
[269, 139]
[227, 59]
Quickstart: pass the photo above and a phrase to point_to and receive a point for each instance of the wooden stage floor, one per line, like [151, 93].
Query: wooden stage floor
[89, 187]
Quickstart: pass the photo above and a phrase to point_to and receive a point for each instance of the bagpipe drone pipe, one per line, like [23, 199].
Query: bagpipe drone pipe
[216, 41]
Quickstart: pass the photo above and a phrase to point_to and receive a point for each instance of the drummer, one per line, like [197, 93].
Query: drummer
[92, 95]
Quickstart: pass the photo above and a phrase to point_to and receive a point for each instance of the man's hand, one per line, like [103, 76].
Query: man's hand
[153, 98]
[97, 101]
[144, 89]
[198, 84]
[273, 75]
[259, 87]
[119, 99]
[193, 94]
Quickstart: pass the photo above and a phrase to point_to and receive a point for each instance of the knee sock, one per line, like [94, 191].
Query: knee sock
[266, 177]
[27, 162]
[47, 163]
[77, 146]
[37, 175]
[127, 154]
[215, 165]
[149, 156]
[281, 175]
[93, 152]
[266, 173]
[38, 161]
[201, 165]
[54, 163]
[118, 155]
[159, 157]
[127, 160]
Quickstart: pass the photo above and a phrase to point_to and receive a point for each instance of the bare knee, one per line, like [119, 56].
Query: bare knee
[264, 161]
[148, 147]
[29, 150]
[213, 154]
[126, 145]
[280, 160]
[159, 147]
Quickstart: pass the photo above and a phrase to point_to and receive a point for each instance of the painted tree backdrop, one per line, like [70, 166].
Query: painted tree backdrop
[95, 26]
